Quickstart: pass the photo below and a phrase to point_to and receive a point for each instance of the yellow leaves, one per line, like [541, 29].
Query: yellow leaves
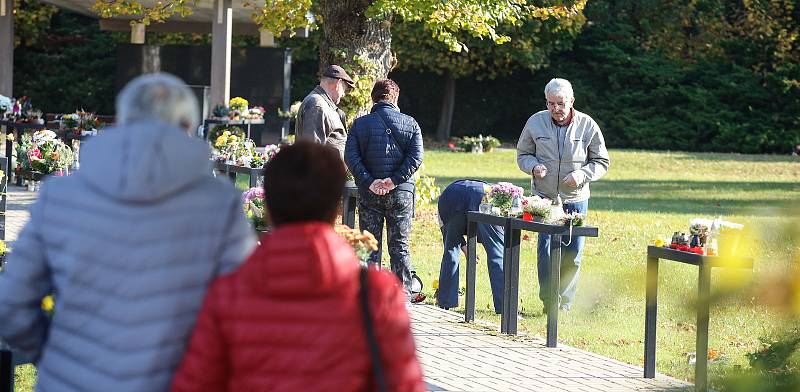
[159, 12]
[279, 16]
[48, 304]
[449, 21]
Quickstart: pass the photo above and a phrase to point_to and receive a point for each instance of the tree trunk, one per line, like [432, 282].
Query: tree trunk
[448, 102]
[362, 47]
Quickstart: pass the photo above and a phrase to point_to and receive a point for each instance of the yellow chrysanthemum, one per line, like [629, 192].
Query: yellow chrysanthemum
[238, 103]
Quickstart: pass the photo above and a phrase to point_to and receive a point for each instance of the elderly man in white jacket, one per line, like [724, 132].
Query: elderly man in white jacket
[562, 150]
[127, 246]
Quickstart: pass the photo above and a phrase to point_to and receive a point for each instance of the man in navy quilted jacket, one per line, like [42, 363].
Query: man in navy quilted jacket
[383, 151]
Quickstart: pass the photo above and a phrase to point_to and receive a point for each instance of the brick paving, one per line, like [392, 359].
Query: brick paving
[19, 198]
[460, 357]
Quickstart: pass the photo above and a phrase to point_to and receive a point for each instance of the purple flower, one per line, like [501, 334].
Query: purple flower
[252, 193]
[507, 188]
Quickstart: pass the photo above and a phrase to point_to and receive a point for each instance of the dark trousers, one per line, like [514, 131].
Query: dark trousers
[453, 236]
[570, 261]
[396, 208]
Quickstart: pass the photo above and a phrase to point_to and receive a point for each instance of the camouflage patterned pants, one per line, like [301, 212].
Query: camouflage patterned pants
[396, 208]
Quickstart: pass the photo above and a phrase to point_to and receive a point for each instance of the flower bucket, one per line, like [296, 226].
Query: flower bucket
[526, 216]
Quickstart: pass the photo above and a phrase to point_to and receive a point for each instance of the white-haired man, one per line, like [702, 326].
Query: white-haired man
[563, 150]
[127, 246]
[319, 118]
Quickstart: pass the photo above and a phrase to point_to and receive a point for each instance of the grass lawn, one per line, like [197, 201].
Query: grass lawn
[646, 195]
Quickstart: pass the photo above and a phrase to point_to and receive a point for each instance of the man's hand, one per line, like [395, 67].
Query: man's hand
[377, 187]
[382, 186]
[388, 185]
[574, 179]
[539, 171]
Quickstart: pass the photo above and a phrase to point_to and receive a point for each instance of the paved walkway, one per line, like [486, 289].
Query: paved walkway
[460, 357]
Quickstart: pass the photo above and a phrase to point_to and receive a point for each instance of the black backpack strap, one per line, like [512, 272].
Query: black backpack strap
[372, 342]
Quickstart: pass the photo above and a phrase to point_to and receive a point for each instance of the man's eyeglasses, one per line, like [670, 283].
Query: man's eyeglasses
[560, 105]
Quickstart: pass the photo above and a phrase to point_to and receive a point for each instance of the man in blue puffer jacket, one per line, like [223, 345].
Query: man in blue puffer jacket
[383, 151]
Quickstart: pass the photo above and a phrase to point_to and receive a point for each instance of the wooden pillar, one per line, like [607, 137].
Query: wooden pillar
[137, 33]
[267, 40]
[221, 34]
[7, 47]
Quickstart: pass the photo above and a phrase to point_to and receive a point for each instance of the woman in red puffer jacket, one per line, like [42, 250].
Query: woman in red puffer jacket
[290, 319]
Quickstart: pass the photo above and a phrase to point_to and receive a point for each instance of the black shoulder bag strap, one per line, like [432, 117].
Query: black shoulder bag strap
[372, 342]
[391, 131]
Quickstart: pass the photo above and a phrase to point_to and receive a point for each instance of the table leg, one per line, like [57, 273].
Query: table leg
[701, 351]
[505, 316]
[651, 311]
[472, 245]
[512, 288]
[6, 371]
[349, 211]
[9, 154]
[3, 198]
[253, 178]
[554, 289]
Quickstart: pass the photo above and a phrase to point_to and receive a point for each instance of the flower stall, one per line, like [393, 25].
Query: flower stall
[79, 124]
[234, 154]
[20, 111]
[237, 112]
[40, 154]
[17, 116]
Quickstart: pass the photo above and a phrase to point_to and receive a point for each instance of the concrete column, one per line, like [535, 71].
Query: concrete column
[221, 34]
[267, 40]
[7, 47]
[137, 33]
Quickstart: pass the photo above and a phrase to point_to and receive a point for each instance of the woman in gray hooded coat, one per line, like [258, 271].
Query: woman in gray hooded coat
[127, 245]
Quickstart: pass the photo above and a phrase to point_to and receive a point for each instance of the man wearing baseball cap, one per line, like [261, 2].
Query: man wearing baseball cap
[319, 118]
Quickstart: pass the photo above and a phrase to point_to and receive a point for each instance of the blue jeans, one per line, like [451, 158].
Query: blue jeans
[570, 261]
[453, 237]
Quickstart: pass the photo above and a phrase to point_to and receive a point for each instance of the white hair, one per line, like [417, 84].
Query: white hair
[161, 97]
[559, 88]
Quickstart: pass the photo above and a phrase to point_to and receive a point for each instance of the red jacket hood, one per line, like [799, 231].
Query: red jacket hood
[306, 259]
